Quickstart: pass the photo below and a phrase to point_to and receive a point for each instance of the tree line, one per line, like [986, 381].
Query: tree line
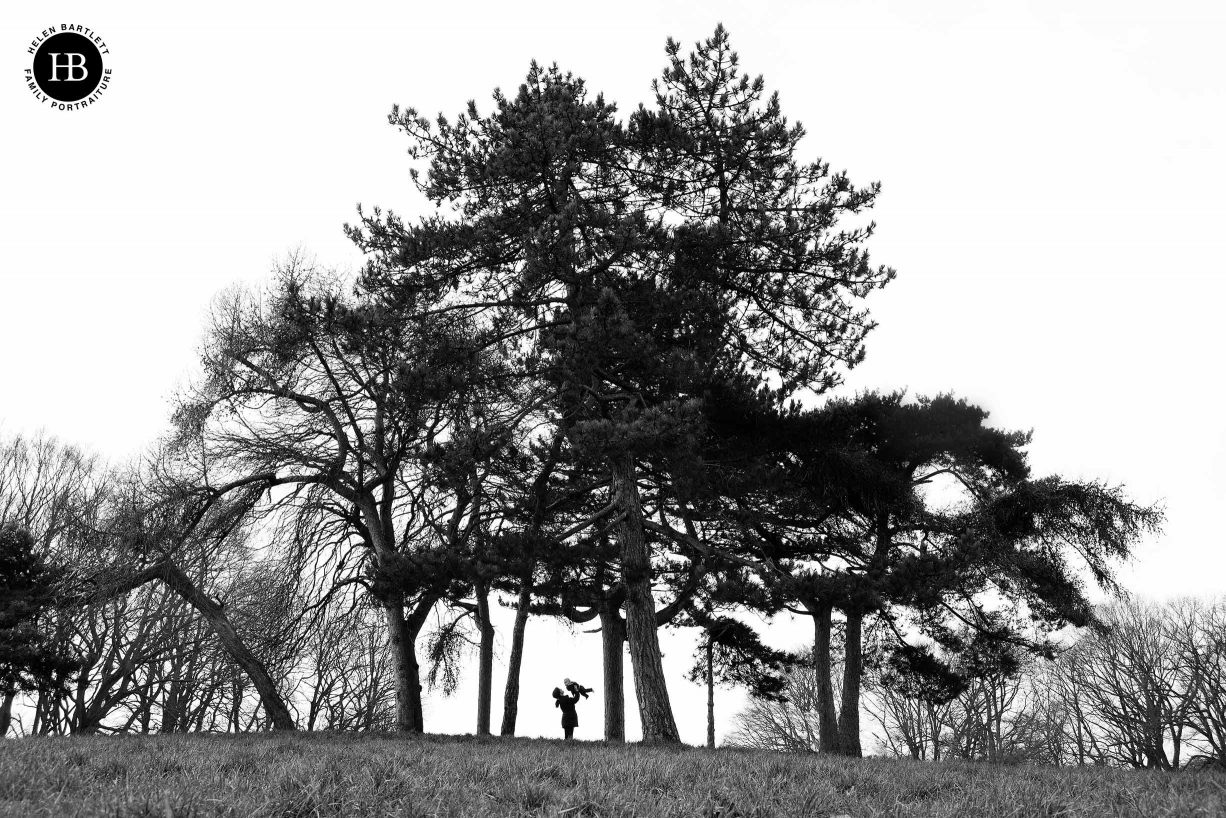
[592, 383]
[1143, 690]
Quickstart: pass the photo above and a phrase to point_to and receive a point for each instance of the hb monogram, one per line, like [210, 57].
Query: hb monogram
[72, 66]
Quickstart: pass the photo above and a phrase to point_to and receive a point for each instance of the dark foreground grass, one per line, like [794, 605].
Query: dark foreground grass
[296, 776]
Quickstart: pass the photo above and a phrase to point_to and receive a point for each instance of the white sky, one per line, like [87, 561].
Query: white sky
[1053, 179]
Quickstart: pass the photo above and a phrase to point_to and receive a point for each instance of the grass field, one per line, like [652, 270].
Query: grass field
[383, 775]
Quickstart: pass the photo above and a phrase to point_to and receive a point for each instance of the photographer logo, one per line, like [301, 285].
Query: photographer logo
[68, 71]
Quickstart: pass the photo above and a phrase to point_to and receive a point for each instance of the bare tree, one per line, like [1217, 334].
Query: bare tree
[790, 725]
[166, 524]
[347, 682]
[909, 724]
[145, 611]
[350, 411]
[45, 487]
[1130, 689]
[1199, 630]
[992, 720]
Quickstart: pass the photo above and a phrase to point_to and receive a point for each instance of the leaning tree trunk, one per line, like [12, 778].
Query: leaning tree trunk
[853, 664]
[540, 487]
[655, 711]
[214, 615]
[274, 706]
[827, 718]
[510, 698]
[613, 640]
[485, 669]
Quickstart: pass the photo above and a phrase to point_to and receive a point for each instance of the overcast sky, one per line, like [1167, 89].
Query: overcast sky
[1053, 177]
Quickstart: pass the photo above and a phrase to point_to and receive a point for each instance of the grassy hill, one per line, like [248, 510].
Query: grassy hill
[385, 775]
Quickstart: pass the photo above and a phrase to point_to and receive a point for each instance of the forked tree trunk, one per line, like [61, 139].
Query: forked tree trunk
[485, 669]
[278, 714]
[655, 710]
[613, 640]
[415, 622]
[41, 723]
[827, 718]
[510, 697]
[853, 664]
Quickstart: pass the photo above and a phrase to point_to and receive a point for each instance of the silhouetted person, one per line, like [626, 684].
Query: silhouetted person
[576, 688]
[570, 719]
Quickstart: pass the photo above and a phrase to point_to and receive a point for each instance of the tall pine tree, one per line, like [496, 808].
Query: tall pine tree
[631, 268]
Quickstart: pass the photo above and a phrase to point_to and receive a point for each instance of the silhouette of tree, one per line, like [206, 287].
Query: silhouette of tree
[634, 266]
[846, 519]
[30, 657]
[731, 653]
[357, 416]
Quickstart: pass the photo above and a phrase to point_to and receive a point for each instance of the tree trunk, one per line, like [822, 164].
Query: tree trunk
[485, 670]
[403, 633]
[613, 639]
[540, 488]
[935, 727]
[6, 713]
[853, 666]
[274, 706]
[710, 696]
[45, 720]
[416, 621]
[236, 703]
[827, 718]
[172, 713]
[510, 698]
[416, 713]
[655, 710]
[403, 662]
[146, 717]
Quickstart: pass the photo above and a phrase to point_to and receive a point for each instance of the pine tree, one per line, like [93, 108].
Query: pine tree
[30, 659]
[731, 653]
[593, 253]
[920, 564]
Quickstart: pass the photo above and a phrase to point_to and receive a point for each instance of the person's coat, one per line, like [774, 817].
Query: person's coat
[570, 718]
